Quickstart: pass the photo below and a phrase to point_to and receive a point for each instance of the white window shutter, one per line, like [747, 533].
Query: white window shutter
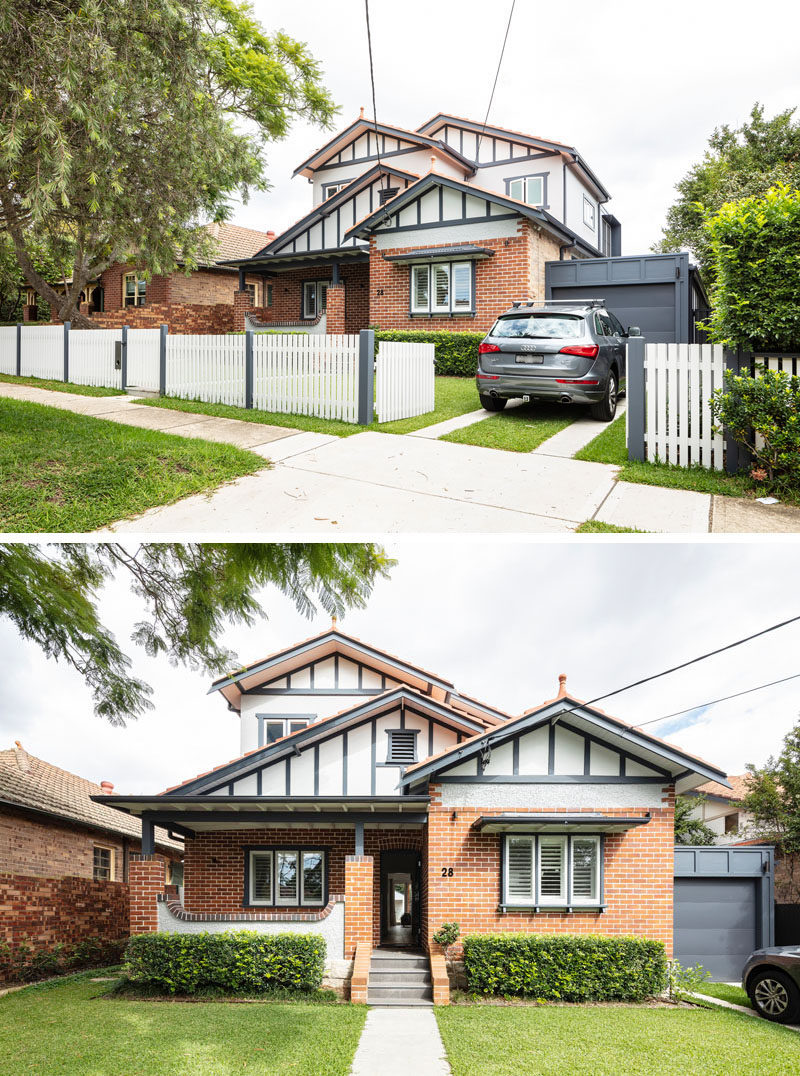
[519, 870]
[585, 854]
[551, 869]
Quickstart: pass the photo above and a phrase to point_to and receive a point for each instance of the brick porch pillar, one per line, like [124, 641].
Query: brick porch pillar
[241, 304]
[357, 903]
[146, 883]
[335, 308]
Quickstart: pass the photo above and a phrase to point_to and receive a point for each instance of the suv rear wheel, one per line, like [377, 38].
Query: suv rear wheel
[492, 403]
[607, 408]
[775, 996]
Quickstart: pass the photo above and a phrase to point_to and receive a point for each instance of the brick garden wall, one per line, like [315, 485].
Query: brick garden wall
[638, 871]
[181, 317]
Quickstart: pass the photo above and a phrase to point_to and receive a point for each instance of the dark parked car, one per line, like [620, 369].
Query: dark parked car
[571, 352]
[771, 978]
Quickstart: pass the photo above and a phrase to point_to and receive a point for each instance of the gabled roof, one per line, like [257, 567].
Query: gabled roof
[737, 791]
[317, 730]
[235, 241]
[321, 646]
[432, 179]
[360, 127]
[619, 735]
[35, 785]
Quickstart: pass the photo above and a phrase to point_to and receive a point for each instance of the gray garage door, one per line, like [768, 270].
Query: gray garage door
[715, 924]
[651, 307]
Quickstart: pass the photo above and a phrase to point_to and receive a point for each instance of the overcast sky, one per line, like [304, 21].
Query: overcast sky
[635, 87]
[501, 620]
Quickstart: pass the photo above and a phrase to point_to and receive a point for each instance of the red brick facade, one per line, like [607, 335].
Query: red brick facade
[358, 909]
[146, 884]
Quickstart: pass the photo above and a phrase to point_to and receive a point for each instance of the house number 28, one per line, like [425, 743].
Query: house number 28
[447, 872]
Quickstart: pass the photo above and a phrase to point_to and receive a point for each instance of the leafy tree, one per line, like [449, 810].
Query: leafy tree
[688, 829]
[738, 163]
[773, 803]
[12, 282]
[124, 126]
[190, 593]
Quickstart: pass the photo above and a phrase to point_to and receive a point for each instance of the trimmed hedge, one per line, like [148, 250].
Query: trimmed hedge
[456, 354]
[565, 967]
[241, 961]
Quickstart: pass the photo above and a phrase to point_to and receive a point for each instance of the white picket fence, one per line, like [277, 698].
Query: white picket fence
[91, 358]
[144, 348]
[8, 349]
[679, 381]
[307, 375]
[208, 368]
[404, 380]
[43, 351]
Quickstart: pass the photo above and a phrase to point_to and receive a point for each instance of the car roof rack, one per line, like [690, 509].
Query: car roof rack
[558, 302]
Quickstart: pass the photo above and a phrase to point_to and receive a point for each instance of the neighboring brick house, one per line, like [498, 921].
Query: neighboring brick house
[437, 228]
[64, 860]
[199, 302]
[372, 801]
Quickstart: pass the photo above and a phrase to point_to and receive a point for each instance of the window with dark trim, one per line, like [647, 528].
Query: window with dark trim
[272, 727]
[402, 746]
[529, 189]
[329, 189]
[102, 864]
[288, 877]
[443, 288]
[588, 212]
[552, 870]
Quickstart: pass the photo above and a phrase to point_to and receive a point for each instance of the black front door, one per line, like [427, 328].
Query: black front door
[400, 898]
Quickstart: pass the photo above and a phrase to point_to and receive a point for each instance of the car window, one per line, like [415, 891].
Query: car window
[616, 323]
[539, 326]
[599, 327]
[607, 325]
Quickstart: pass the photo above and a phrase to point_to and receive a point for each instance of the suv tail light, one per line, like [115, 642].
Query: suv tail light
[483, 348]
[586, 351]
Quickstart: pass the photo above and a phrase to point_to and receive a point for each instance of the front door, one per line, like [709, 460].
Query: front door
[400, 898]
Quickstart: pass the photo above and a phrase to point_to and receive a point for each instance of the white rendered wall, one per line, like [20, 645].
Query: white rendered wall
[543, 796]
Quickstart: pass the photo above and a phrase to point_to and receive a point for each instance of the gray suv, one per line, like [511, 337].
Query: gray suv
[572, 352]
[771, 978]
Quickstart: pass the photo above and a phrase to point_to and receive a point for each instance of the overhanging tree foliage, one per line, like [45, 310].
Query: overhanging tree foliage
[739, 162]
[190, 592]
[689, 829]
[123, 126]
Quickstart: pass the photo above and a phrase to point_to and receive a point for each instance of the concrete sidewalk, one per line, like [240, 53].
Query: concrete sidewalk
[398, 1041]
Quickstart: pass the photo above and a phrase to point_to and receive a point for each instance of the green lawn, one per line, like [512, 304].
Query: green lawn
[571, 1040]
[60, 386]
[594, 526]
[610, 447]
[454, 396]
[65, 472]
[734, 994]
[69, 1029]
[521, 429]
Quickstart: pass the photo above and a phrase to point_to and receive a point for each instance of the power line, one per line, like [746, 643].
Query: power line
[725, 698]
[692, 661]
[374, 107]
[494, 85]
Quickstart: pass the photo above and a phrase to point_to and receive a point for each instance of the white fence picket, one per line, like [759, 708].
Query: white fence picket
[8, 349]
[144, 351]
[43, 352]
[404, 380]
[306, 375]
[679, 381]
[208, 368]
[91, 357]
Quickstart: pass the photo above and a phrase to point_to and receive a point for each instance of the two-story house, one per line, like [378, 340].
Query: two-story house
[371, 801]
[436, 228]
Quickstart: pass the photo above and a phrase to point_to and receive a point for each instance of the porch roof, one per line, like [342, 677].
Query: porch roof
[282, 263]
[557, 823]
[467, 251]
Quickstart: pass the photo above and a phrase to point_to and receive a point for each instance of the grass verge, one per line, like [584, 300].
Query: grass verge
[734, 994]
[63, 472]
[454, 396]
[611, 447]
[60, 386]
[594, 526]
[615, 1040]
[521, 429]
[62, 1029]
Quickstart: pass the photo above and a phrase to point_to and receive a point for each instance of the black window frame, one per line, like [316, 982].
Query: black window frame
[263, 718]
[544, 176]
[274, 849]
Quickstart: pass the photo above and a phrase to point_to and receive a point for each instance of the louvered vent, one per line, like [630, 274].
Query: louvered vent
[402, 745]
[551, 868]
[520, 868]
[386, 194]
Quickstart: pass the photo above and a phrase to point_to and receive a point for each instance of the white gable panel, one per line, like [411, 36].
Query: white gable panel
[443, 738]
[246, 786]
[301, 678]
[302, 773]
[470, 144]
[637, 769]
[391, 683]
[315, 237]
[221, 791]
[330, 767]
[386, 778]
[324, 673]
[360, 146]
[476, 207]
[408, 215]
[281, 682]
[533, 752]
[363, 203]
[370, 679]
[348, 674]
[273, 779]
[603, 762]
[502, 760]
[451, 204]
[359, 761]
[382, 726]
[569, 752]
[469, 768]
[429, 207]
[496, 210]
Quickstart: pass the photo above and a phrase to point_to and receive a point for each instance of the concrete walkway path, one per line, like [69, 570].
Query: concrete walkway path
[400, 1042]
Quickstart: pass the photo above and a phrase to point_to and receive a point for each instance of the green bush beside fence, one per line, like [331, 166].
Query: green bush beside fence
[241, 961]
[565, 967]
[456, 354]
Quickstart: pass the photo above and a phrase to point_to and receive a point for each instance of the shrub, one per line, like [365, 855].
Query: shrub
[455, 354]
[584, 967]
[682, 981]
[447, 935]
[769, 406]
[241, 961]
[754, 244]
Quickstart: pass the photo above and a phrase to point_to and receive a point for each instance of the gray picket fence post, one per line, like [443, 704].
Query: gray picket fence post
[737, 458]
[162, 360]
[124, 357]
[67, 327]
[19, 349]
[248, 367]
[366, 377]
[636, 398]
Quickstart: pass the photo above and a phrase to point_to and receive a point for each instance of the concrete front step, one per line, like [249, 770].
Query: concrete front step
[400, 1002]
[398, 978]
[411, 977]
[378, 993]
